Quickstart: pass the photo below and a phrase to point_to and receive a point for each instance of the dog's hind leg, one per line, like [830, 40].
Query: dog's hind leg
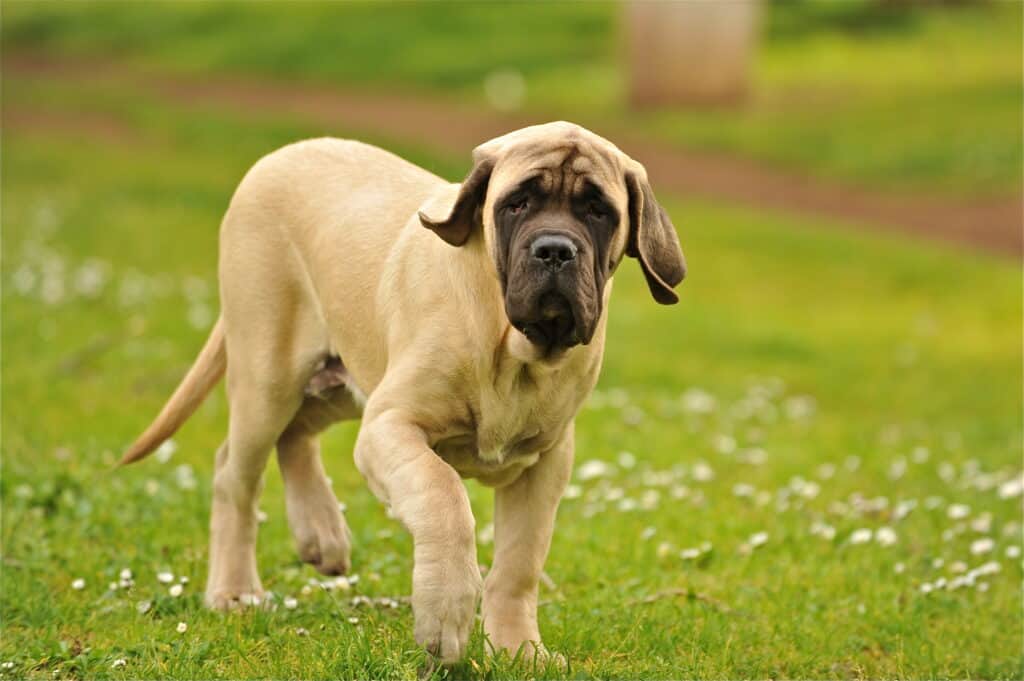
[257, 420]
[317, 523]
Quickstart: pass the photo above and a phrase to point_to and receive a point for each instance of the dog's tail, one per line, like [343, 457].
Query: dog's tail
[193, 389]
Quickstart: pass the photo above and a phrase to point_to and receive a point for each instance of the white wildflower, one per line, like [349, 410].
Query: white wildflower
[989, 568]
[165, 577]
[200, 316]
[78, 584]
[758, 539]
[742, 489]
[290, 602]
[697, 401]
[626, 459]
[1013, 551]
[724, 444]
[860, 536]
[982, 524]
[799, 407]
[594, 468]
[980, 546]
[632, 415]
[247, 599]
[823, 530]
[958, 511]
[702, 472]
[648, 533]
[185, 477]
[1012, 488]
[826, 471]
[904, 508]
[118, 663]
[165, 451]
[956, 583]
[182, 627]
[614, 494]
[755, 456]
[176, 590]
[885, 536]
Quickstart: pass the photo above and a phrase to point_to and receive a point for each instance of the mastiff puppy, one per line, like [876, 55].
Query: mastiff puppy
[463, 323]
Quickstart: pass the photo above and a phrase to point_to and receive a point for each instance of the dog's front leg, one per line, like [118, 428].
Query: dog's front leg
[524, 518]
[428, 497]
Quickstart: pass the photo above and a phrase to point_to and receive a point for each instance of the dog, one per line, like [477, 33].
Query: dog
[463, 323]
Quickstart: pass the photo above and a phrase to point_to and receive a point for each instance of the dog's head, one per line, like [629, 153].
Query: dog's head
[558, 207]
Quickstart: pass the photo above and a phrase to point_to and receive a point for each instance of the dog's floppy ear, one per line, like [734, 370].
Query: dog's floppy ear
[652, 239]
[467, 210]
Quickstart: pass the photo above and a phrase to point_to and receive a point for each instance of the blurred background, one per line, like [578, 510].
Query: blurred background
[846, 182]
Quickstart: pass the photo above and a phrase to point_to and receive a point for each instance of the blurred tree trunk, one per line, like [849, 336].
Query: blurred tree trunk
[690, 52]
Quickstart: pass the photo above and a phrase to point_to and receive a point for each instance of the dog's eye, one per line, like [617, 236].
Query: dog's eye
[596, 210]
[517, 206]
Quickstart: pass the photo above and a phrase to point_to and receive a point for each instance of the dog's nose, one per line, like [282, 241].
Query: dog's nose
[553, 250]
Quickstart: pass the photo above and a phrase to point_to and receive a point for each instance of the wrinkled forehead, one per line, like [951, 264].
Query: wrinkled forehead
[567, 165]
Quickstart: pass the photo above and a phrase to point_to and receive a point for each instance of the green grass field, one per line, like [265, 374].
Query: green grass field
[812, 463]
[888, 95]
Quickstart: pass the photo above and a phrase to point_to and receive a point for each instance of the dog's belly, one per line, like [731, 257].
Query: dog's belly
[494, 468]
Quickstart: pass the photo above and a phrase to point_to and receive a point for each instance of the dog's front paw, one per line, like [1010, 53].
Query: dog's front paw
[444, 601]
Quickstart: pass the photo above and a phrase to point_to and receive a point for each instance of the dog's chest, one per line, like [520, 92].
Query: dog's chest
[510, 426]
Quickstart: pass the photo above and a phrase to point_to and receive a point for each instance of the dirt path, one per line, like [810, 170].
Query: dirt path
[991, 224]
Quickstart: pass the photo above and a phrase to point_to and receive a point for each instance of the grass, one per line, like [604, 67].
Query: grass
[878, 369]
[896, 97]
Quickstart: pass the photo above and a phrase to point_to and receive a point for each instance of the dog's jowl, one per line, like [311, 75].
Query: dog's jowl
[463, 323]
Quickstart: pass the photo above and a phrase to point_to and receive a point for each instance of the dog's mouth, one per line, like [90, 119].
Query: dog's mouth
[554, 327]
